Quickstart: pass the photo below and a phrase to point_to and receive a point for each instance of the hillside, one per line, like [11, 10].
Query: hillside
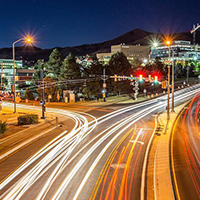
[136, 36]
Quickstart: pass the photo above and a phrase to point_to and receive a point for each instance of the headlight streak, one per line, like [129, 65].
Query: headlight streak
[39, 167]
[65, 182]
[91, 150]
[83, 133]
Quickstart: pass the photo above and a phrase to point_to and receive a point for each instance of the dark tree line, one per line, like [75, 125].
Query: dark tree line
[58, 69]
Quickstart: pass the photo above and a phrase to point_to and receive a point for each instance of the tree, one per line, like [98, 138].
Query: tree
[136, 63]
[50, 88]
[29, 94]
[70, 69]
[93, 88]
[40, 65]
[191, 65]
[95, 68]
[179, 71]
[5, 81]
[53, 66]
[119, 64]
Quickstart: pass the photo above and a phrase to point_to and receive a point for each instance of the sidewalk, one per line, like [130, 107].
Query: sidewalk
[159, 186]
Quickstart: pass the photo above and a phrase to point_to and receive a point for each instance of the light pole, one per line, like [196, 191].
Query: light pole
[27, 40]
[168, 85]
[2, 77]
[173, 82]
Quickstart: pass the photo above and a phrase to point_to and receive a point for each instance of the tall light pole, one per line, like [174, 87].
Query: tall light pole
[2, 77]
[173, 82]
[27, 40]
[168, 85]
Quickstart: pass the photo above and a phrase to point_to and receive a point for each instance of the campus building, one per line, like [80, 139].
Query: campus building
[21, 75]
[131, 52]
[179, 50]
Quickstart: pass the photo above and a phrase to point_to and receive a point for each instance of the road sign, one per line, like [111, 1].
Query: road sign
[164, 84]
[18, 99]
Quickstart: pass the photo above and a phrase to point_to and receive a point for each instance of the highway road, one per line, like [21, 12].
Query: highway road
[104, 158]
[185, 152]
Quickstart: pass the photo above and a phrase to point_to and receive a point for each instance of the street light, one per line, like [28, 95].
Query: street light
[168, 85]
[27, 40]
[155, 44]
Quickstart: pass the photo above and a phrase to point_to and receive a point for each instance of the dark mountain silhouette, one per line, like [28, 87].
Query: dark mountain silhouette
[136, 36]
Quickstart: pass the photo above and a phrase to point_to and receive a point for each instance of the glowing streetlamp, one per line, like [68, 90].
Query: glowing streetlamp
[155, 44]
[27, 40]
[168, 43]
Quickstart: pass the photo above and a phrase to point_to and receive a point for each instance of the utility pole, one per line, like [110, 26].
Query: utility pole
[1, 77]
[173, 82]
[193, 31]
[14, 80]
[194, 35]
[42, 102]
[168, 87]
[104, 78]
[187, 79]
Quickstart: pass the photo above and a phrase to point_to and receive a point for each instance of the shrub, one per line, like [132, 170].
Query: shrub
[3, 126]
[29, 95]
[27, 119]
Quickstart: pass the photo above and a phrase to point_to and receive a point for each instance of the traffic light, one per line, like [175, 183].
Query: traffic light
[131, 77]
[115, 78]
[141, 78]
[164, 85]
[149, 77]
[155, 79]
[13, 88]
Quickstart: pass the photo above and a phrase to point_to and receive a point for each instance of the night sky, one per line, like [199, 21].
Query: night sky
[69, 23]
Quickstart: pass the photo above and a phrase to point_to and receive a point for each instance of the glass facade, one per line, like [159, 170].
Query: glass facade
[182, 50]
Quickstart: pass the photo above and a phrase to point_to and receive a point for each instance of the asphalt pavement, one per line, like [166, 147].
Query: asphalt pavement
[102, 158]
[185, 152]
